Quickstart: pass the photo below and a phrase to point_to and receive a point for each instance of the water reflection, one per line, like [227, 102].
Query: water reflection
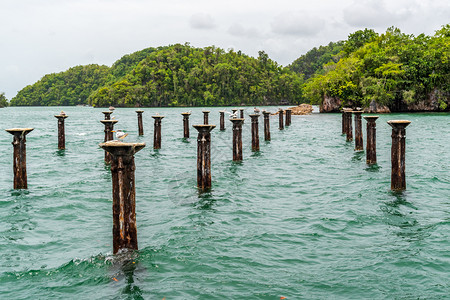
[124, 268]
[358, 156]
[373, 168]
[60, 152]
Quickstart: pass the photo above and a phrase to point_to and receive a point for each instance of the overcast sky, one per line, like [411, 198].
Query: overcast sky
[38, 37]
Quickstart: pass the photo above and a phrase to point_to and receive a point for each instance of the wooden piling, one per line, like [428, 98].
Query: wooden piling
[186, 124]
[204, 156]
[206, 117]
[140, 125]
[124, 193]
[107, 114]
[109, 136]
[266, 125]
[61, 131]
[222, 120]
[371, 145]
[288, 116]
[280, 119]
[20, 156]
[237, 138]
[398, 181]
[349, 126]
[241, 113]
[255, 132]
[358, 131]
[157, 132]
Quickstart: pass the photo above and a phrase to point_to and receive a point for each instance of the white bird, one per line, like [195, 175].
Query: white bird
[62, 113]
[256, 110]
[120, 135]
[111, 108]
[156, 114]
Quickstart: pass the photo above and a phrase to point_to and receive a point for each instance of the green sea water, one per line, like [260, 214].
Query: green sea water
[304, 218]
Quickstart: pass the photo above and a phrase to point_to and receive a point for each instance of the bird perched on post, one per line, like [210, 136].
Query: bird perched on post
[111, 108]
[62, 113]
[232, 115]
[120, 135]
[256, 110]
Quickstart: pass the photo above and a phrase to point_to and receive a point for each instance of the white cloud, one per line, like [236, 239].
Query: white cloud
[297, 23]
[202, 21]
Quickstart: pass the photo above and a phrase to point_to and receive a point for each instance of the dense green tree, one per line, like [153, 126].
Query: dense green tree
[3, 100]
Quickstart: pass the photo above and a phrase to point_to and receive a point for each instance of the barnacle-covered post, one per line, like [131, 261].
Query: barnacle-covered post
[186, 124]
[109, 127]
[288, 116]
[61, 131]
[157, 132]
[371, 144]
[266, 125]
[237, 138]
[204, 155]
[255, 133]
[107, 114]
[358, 131]
[280, 119]
[20, 156]
[140, 125]
[398, 181]
[124, 193]
[222, 120]
[206, 117]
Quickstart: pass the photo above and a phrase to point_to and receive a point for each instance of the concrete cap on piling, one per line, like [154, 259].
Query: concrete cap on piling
[107, 112]
[356, 111]
[237, 120]
[186, 113]
[399, 123]
[109, 121]
[204, 127]
[61, 116]
[22, 130]
[266, 112]
[205, 111]
[139, 111]
[158, 117]
[120, 148]
[370, 118]
[254, 115]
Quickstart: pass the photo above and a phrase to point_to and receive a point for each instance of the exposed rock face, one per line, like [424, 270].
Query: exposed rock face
[429, 104]
[330, 104]
[376, 108]
[302, 109]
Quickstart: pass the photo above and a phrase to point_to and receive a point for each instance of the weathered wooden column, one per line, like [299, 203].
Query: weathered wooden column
[358, 131]
[344, 121]
[241, 113]
[140, 125]
[255, 132]
[288, 116]
[157, 132]
[266, 125]
[237, 138]
[109, 136]
[186, 124]
[107, 114]
[124, 193]
[204, 156]
[222, 120]
[280, 119]
[20, 156]
[349, 126]
[371, 145]
[61, 131]
[234, 110]
[398, 181]
[205, 117]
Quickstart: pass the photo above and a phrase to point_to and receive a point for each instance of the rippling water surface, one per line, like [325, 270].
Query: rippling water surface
[303, 218]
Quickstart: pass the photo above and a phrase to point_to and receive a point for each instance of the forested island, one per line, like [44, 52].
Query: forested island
[385, 72]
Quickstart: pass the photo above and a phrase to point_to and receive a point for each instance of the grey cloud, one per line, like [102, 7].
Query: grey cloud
[202, 21]
[371, 13]
[240, 31]
[297, 23]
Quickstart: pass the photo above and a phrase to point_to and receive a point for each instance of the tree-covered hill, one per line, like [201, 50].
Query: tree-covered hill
[70, 87]
[181, 75]
[3, 100]
[393, 69]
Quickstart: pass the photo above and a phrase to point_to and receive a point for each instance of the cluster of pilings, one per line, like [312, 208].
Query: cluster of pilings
[398, 181]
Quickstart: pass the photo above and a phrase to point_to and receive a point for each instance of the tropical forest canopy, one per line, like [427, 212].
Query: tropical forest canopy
[386, 68]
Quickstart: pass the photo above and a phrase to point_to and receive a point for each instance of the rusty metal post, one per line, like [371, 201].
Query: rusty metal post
[371, 145]
[266, 125]
[288, 116]
[241, 113]
[280, 119]
[157, 132]
[107, 114]
[186, 124]
[358, 131]
[20, 156]
[222, 120]
[205, 117]
[255, 132]
[398, 181]
[140, 125]
[124, 193]
[237, 138]
[204, 156]
[109, 136]
[349, 127]
[61, 131]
